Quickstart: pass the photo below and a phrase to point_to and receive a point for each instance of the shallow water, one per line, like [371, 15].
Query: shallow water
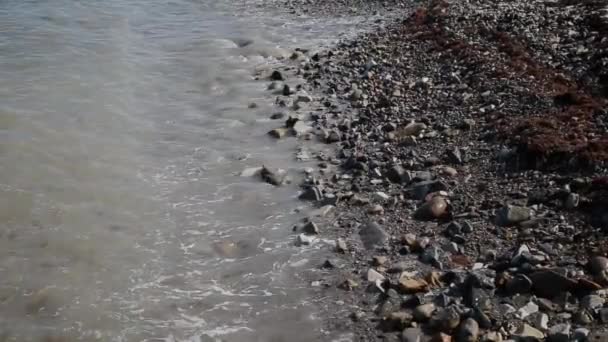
[123, 128]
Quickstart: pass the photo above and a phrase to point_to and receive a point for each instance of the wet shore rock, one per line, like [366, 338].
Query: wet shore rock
[468, 173]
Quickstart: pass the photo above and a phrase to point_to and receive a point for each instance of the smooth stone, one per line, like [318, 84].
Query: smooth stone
[527, 310]
[414, 128]
[469, 331]
[372, 235]
[381, 196]
[598, 264]
[424, 312]
[412, 335]
[433, 209]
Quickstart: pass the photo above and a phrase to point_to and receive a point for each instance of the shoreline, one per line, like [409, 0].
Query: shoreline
[469, 178]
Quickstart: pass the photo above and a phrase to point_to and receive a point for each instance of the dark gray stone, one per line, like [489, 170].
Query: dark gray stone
[372, 235]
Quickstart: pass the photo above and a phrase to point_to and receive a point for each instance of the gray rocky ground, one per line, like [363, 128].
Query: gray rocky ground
[468, 169]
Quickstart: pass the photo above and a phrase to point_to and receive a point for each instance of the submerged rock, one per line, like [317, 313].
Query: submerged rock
[273, 176]
[276, 76]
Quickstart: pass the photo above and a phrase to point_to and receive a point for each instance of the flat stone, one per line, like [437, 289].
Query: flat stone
[374, 276]
[527, 331]
[411, 285]
[527, 310]
[511, 215]
[550, 284]
[251, 171]
[372, 235]
[592, 302]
